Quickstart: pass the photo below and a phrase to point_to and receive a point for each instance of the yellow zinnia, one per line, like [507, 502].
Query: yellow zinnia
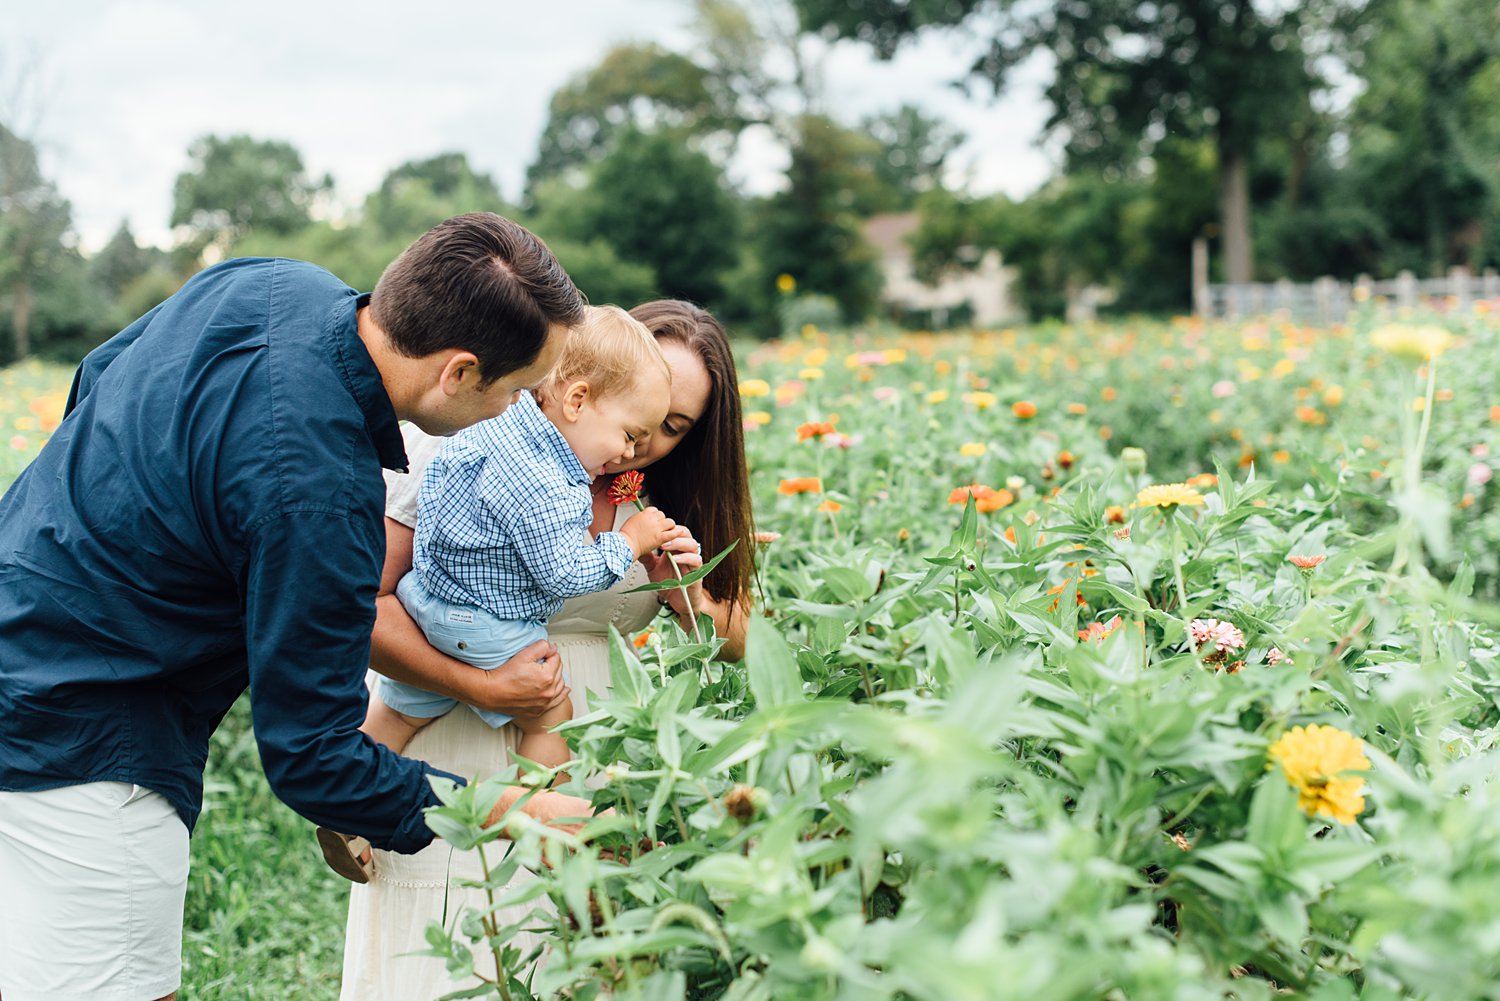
[751, 388]
[972, 449]
[1406, 341]
[1315, 760]
[1169, 496]
[786, 284]
[981, 400]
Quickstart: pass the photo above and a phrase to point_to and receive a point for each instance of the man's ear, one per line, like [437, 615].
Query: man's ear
[572, 398]
[459, 372]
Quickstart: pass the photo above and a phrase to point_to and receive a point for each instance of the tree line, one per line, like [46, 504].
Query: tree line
[1176, 119]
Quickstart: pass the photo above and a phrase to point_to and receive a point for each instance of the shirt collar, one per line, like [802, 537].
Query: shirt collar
[536, 426]
[362, 377]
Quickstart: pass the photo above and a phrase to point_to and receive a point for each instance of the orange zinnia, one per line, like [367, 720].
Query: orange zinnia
[1023, 409]
[814, 429]
[986, 499]
[801, 485]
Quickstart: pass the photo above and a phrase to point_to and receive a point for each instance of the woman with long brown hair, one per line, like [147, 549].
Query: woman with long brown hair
[694, 466]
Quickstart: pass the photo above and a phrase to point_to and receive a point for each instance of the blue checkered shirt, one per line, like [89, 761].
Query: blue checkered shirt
[501, 517]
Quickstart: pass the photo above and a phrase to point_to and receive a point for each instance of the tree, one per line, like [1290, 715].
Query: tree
[640, 86]
[419, 194]
[811, 231]
[1128, 74]
[1425, 135]
[914, 149]
[660, 204]
[34, 225]
[239, 183]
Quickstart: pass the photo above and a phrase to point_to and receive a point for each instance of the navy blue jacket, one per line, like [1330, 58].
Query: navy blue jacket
[209, 517]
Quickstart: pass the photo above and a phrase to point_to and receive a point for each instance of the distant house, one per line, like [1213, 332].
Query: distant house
[980, 296]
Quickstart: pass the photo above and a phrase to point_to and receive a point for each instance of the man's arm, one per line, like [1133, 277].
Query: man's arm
[309, 586]
[528, 684]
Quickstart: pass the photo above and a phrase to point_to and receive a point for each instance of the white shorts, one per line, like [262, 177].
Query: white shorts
[93, 879]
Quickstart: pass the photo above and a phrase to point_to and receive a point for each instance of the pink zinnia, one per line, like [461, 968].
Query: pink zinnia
[1223, 389]
[1221, 634]
[1274, 656]
[1480, 473]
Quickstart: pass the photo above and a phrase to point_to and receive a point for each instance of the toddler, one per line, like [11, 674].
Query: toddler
[502, 529]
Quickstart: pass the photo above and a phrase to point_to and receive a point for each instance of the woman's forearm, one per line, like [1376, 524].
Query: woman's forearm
[730, 621]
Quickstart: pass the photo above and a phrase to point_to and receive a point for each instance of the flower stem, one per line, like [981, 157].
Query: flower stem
[686, 598]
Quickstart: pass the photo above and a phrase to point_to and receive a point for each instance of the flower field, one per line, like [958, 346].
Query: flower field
[1143, 661]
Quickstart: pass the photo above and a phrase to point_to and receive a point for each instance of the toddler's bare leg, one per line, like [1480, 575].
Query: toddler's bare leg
[538, 744]
[385, 725]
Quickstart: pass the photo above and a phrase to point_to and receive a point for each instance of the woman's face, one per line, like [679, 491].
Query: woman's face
[690, 388]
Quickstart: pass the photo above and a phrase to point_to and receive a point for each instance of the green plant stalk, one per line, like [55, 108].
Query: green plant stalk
[491, 932]
[692, 612]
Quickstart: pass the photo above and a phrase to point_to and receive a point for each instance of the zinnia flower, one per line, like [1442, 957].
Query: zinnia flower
[1274, 656]
[1222, 635]
[814, 429]
[1406, 341]
[830, 507]
[1114, 515]
[1306, 564]
[980, 400]
[801, 485]
[1097, 631]
[1315, 760]
[986, 499]
[786, 284]
[1168, 496]
[626, 487]
[1023, 409]
[766, 538]
[751, 388]
[974, 449]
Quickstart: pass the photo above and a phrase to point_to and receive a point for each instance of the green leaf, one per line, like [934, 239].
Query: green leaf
[774, 677]
[687, 578]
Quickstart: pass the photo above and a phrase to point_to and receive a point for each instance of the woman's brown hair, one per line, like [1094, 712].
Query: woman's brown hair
[704, 482]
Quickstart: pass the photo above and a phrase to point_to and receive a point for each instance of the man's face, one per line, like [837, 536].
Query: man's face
[472, 403]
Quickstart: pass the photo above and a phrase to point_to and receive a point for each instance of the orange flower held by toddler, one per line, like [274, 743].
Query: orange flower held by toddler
[626, 487]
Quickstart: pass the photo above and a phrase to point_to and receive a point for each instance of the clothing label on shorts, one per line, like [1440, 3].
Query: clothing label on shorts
[459, 615]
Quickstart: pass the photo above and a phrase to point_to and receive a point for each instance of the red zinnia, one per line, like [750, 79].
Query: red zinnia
[626, 487]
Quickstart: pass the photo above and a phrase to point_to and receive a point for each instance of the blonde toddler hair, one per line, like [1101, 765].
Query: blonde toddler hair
[608, 349]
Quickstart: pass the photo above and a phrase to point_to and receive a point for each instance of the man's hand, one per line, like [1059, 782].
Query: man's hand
[527, 685]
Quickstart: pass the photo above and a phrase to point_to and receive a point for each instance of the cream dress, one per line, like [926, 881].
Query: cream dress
[388, 915]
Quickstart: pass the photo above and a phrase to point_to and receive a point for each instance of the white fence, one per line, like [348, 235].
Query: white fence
[1328, 300]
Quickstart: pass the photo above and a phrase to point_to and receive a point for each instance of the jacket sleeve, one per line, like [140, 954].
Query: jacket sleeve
[309, 591]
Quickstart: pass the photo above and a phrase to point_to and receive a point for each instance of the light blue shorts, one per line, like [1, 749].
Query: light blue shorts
[463, 632]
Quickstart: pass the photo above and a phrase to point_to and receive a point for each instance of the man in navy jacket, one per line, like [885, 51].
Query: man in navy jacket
[209, 517]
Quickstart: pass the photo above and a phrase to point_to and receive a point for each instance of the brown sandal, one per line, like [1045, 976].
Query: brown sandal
[342, 853]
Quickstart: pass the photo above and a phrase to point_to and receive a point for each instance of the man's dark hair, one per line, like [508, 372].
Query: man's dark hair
[477, 282]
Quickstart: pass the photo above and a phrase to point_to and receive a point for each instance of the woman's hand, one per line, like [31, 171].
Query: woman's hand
[689, 556]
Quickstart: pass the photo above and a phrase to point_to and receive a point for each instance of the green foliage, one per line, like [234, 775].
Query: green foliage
[34, 226]
[658, 205]
[924, 773]
[635, 86]
[238, 182]
[811, 230]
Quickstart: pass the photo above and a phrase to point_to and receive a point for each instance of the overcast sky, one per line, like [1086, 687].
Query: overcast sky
[125, 87]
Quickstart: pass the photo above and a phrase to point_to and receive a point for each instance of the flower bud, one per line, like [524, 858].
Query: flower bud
[1134, 460]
